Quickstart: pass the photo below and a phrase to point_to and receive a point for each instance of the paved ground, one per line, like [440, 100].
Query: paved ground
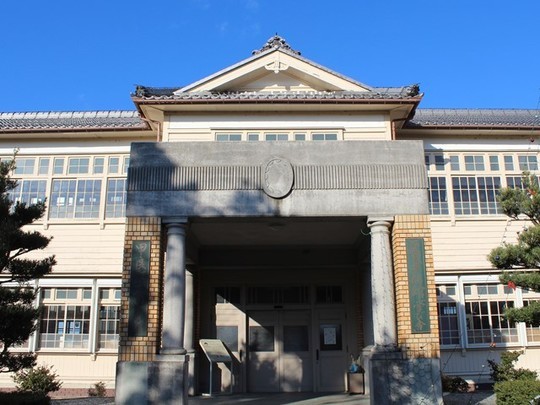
[474, 398]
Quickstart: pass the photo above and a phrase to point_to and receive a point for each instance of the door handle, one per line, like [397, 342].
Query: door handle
[317, 354]
[241, 354]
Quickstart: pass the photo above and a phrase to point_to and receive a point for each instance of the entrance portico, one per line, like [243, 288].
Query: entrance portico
[253, 210]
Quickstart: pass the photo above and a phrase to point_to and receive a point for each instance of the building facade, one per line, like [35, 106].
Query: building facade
[297, 215]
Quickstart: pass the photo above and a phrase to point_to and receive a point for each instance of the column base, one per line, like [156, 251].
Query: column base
[394, 379]
[153, 382]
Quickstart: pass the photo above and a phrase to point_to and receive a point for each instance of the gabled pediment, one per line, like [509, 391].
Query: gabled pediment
[275, 68]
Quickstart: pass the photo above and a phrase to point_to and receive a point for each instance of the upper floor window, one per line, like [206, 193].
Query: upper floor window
[78, 165]
[471, 182]
[24, 166]
[527, 162]
[276, 137]
[474, 163]
[230, 137]
[318, 136]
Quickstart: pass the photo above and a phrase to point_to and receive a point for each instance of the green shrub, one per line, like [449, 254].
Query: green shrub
[98, 390]
[23, 398]
[454, 384]
[38, 380]
[505, 370]
[516, 392]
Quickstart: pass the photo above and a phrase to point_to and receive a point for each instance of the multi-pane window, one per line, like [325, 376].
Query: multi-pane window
[99, 165]
[24, 166]
[88, 198]
[473, 180]
[448, 315]
[58, 166]
[109, 318]
[228, 137]
[62, 202]
[29, 191]
[115, 206]
[78, 165]
[438, 201]
[528, 162]
[454, 162]
[73, 186]
[439, 162]
[114, 165]
[276, 137]
[474, 163]
[484, 309]
[475, 195]
[44, 166]
[318, 136]
[75, 198]
[65, 320]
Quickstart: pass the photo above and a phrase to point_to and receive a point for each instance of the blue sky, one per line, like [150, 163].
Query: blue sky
[88, 55]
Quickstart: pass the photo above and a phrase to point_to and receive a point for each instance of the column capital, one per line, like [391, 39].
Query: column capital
[372, 220]
[380, 224]
[174, 221]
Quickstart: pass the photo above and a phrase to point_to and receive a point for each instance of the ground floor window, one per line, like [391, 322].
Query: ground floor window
[471, 312]
[85, 318]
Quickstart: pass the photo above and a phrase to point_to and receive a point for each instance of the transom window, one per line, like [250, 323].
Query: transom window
[78, 165]
[24, 166]
[272, 136]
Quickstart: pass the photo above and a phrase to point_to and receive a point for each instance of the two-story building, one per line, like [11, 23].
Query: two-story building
[297, 215]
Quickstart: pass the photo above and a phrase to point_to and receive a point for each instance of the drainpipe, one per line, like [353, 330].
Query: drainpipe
[393, 126]
[159, 127]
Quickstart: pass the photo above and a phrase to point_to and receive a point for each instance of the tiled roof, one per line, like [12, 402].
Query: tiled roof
[168, 94]
[474, 118]
[70, 121]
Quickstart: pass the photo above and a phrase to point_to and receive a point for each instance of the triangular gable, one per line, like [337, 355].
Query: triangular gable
[290, 71]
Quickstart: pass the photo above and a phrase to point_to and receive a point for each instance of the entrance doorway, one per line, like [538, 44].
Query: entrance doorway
[288, 337]
[279, 351]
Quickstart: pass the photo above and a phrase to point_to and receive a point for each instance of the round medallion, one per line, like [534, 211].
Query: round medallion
[277, 177]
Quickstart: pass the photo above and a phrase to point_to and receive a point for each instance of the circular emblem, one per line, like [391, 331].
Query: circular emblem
[277, 177]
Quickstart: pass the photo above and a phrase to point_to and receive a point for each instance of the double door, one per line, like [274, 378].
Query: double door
[296, 351]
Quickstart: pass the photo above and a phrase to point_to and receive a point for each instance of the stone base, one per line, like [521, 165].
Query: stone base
[154, 382]
[394, 379]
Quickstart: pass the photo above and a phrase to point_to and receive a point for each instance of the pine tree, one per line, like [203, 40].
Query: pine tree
[521, 260]
[18, 314]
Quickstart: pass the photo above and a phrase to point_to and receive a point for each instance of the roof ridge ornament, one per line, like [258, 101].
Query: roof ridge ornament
[276, 42]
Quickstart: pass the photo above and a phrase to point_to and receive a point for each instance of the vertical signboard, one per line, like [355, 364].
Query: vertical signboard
[139, 289]
[418, 290]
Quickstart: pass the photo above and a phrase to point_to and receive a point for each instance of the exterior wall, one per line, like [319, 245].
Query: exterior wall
[84, 249]
[142, 348]
[464, 244]
[202, 127]
[424, 344]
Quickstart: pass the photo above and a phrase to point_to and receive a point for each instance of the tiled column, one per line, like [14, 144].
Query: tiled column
[174, 290]
[382, 283]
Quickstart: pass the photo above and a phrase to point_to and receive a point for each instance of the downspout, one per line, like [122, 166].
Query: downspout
[159, 127]
[393, 126]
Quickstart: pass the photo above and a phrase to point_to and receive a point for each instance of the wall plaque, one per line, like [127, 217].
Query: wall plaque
[277, 177]
[418, 290]
[138, 292]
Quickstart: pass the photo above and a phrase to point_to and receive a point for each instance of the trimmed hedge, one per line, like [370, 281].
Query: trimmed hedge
[23, 398]
[516, 392]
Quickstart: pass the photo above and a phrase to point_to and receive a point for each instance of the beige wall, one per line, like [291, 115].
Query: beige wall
[202, 127]
[84, 249]
[464, 244]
